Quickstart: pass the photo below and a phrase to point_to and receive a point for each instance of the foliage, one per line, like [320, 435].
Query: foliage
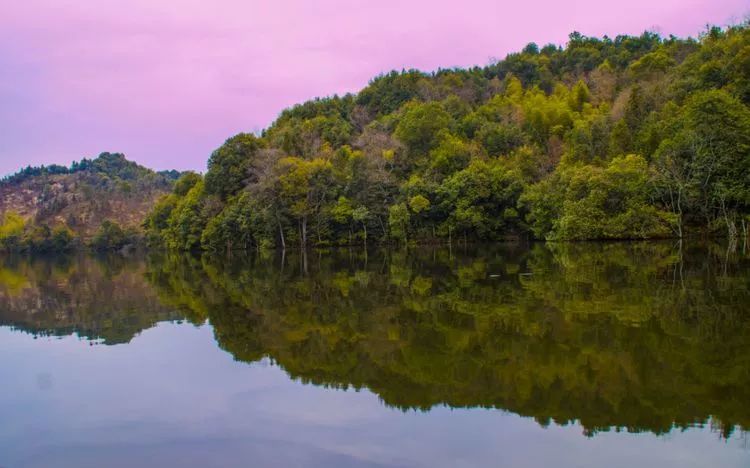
[595, 202]
[614, 138]
[705, 160]
[11, 231]
[229, 166]
[111, 236]
[187, 181]
[18, 235]
[41, 238]
[419, 126]
[187, 219]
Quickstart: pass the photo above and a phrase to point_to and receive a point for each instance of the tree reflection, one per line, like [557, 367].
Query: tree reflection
[633, 336]
[104, 298]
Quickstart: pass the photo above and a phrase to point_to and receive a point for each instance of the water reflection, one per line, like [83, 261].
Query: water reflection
[640, 337]
[103, 298]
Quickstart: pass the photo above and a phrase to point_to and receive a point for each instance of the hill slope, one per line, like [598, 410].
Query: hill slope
[607, 138]
[81, 198]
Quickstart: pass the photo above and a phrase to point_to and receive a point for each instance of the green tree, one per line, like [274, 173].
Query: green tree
[187, 220]
[11, 231]
[500, 140]
[229, 166]
[420, 124]
[398, 222]
[362, 215]
[598, 203]
[305, 188]
[110, 236]
[705, 164]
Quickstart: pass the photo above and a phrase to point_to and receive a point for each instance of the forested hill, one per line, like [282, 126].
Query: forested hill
[101, 201]
[631, 137]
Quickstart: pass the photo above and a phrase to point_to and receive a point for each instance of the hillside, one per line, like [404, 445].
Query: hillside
[75, 202]
[606, 138]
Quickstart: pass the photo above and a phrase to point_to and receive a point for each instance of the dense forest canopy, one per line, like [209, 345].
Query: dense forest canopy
[624, 138]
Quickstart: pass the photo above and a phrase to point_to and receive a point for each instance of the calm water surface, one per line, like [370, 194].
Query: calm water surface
[522, 356]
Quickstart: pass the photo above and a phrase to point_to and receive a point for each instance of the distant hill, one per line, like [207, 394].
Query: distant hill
[78, 200]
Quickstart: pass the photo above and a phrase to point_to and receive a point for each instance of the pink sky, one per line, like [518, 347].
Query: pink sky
[166, 82]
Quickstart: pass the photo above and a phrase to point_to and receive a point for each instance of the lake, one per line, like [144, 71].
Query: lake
[580, 355]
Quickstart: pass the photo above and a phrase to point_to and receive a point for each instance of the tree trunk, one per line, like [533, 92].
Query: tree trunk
[304, 232]
[281, 234]
[731, 226]
[679, 212]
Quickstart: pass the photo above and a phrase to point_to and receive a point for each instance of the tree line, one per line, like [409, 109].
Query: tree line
[627, 138]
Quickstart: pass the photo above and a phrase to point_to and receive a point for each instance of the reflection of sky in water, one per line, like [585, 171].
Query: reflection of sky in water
[171, 397]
